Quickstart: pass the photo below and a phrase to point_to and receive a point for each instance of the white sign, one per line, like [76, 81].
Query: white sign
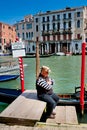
[18, 49]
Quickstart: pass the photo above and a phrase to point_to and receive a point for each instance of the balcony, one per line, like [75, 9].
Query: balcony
[67, 31]
[56, 32]
[46, 33]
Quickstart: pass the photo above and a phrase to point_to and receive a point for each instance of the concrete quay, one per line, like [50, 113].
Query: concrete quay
[44, 126]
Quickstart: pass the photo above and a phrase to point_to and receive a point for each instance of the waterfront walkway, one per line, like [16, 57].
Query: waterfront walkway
[27, 110]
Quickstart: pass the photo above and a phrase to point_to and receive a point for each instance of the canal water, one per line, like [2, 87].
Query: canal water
[65, 70]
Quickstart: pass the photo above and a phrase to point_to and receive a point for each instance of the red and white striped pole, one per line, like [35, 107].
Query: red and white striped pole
[21, 70]
[82, 78]
[21, 73]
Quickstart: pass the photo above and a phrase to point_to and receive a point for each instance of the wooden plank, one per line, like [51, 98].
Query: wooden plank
[64, 115]
[71, 116]
[24, 110]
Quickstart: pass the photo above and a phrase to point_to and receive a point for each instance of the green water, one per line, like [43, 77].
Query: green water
[65, 70]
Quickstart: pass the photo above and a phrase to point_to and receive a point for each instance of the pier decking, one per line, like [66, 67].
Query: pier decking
[64, 115]
[27, 110]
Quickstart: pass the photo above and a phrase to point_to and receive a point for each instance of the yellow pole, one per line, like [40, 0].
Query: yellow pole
[37, 59]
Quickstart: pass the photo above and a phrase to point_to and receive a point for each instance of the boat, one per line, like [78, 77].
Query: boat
[8, 66]
[4, 54]
[69, 99]
[4, 78]
[60, 54]
[41, 56]
[9, 70]
[9, 95]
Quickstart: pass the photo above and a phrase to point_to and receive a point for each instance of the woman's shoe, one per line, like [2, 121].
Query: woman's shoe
[53, 113]
[52, 116]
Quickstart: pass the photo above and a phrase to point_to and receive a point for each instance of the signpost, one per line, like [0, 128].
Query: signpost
[18, 50]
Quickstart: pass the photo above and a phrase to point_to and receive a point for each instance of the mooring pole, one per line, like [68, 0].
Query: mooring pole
[37, 58]
[20, 65]
[21, 73]
[82, 78]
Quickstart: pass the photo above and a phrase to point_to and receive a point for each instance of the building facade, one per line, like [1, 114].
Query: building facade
[24, 29]
[61, 30]
[7, 36]
[57, 31]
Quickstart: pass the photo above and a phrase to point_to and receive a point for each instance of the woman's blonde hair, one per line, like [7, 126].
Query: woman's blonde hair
[45, 68]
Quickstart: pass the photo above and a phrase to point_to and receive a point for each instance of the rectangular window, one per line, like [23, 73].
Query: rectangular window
[23, 37]
[78, 14]
[58, 26]
[28, 26]
[78, 36]
[64, 37]
[48, 19]
[54, 37]
[43, 27]
[36, 28]
[53, 17]
[69, 24]
[22, 26]
[64, 16]
[64, 25]
[36, 20]
[48, 27]
[69, 15]
[58, 17]
[44, 38]
[48, 38]
[58, 37]
[43, 19]
[26, 35]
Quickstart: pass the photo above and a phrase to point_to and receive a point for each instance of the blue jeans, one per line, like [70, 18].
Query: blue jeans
[51, 100]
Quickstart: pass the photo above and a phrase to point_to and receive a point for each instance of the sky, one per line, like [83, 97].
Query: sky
[12, 11]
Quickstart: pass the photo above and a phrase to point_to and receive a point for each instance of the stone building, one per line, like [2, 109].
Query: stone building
[24, 29]
[57, 31]
[61, 30]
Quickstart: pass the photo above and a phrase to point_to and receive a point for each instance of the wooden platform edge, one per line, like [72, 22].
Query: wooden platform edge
[17, 121]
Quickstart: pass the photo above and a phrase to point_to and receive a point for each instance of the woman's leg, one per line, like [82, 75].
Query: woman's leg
[55, 98]
[50, 103]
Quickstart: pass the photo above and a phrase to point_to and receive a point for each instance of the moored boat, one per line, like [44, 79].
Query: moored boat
[9, 70]
[8, 77]
[9, 95]
[72, 99]
[60, 54]
[41, 56]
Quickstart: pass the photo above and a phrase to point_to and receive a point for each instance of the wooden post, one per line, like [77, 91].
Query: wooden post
[82, 78]
[37, 58]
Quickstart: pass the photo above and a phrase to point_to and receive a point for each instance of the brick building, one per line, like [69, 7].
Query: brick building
[7, 36]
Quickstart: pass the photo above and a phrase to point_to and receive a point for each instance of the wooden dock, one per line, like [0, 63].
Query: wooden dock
[27, 110]
[64, 115]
